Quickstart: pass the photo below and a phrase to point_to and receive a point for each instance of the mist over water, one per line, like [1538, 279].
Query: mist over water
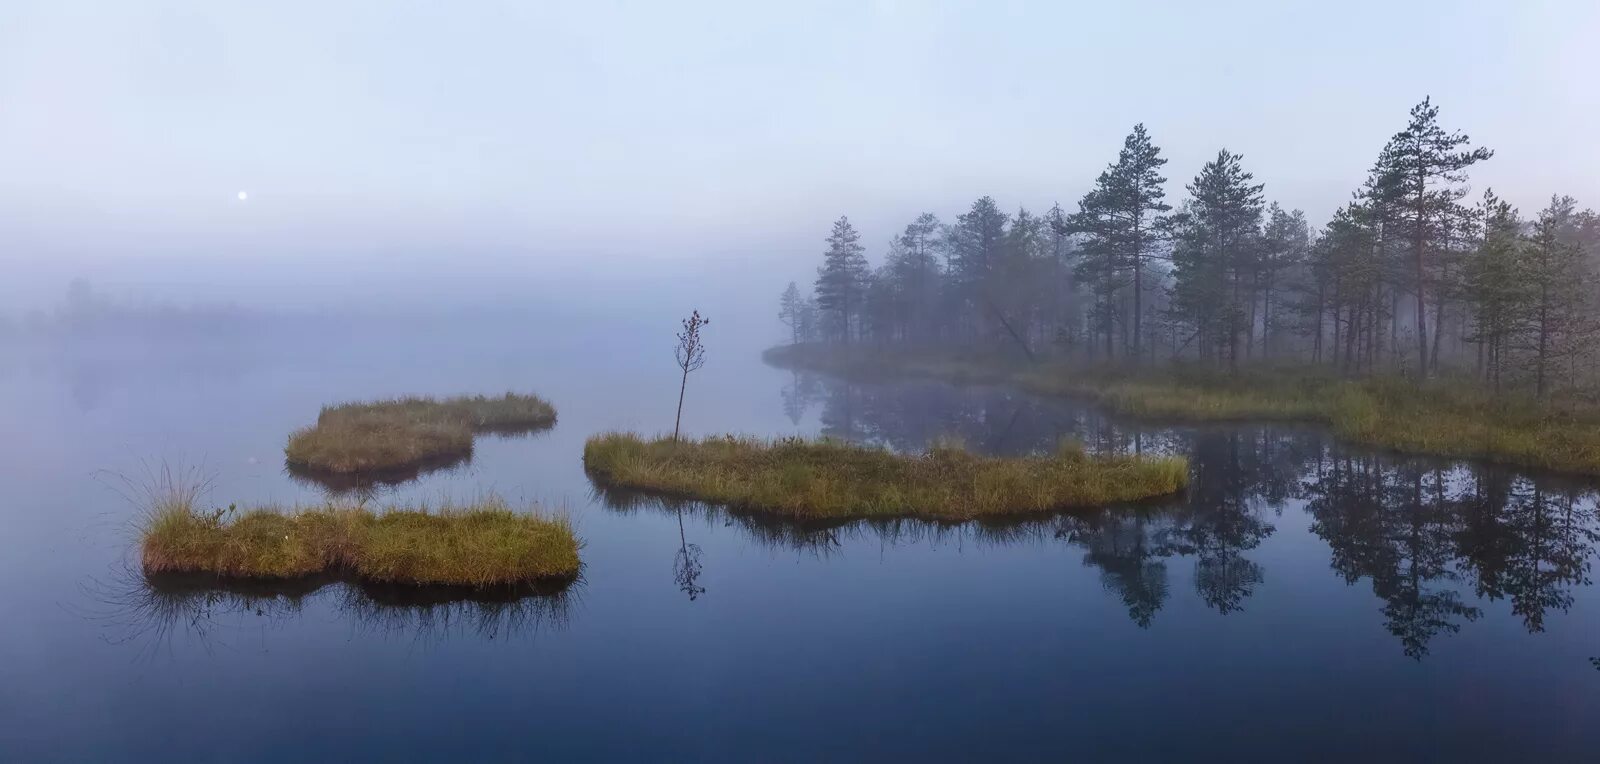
[216, 219]
[1297, 580]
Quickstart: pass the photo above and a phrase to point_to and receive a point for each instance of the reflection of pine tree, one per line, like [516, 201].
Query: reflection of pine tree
[1417, 534]
[908, 416]
[1382, 526]
[797, 396]
[1415, 538]
[1122, 544]
[1484, 542]
[1422, 533]
[1560, 538]
[839, 411]
[1535, 548]
[1219, 524]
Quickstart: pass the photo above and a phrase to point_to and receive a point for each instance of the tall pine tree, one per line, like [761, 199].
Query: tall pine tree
[1218, 247]
[1121, 220]
[1421, 171]
[842, 278]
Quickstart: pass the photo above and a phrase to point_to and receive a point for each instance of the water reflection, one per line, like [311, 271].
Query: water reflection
[798, 396]
[369, 484]
[373, 483]
[1437, 542]
[153, 609]
[1426, 537]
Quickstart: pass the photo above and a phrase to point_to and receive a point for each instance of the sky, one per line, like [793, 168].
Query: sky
[473, 137]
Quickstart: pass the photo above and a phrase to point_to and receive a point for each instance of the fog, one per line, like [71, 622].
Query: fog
[600, 158]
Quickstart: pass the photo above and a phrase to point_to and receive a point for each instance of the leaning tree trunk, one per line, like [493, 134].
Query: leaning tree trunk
[684, 385]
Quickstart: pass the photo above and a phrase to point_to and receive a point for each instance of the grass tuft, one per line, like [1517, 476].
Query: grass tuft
[408, 433]
[831, 479]
[483, 544]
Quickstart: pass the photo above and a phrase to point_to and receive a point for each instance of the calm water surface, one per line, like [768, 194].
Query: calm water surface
[1302, 599]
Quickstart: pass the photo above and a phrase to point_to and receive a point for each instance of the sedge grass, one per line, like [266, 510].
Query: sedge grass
[483, 544]
[1446, 417]
[831, 479]
[408, 433]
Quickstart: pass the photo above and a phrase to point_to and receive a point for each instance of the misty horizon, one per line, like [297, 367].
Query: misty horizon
[508, 142]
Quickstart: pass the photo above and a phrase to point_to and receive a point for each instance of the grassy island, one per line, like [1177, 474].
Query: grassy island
[830, 479]
[484, 544]
[1441, 417]
[408, 434]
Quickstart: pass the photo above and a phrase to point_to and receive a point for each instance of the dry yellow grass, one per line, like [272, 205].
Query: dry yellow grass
[408, 433]
[482, 544]
[806, 478]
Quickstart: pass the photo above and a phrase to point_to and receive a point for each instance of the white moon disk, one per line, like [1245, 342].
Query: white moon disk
[243, 196]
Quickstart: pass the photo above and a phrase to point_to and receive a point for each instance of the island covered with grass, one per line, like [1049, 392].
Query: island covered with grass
[486, 543]
[408, 435]
[831, 479]
[1437, 417]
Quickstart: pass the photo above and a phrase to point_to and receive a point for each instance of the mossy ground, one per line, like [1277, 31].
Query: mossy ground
[483, 544]
[1444, 417]
[830, 479]
[407, 433]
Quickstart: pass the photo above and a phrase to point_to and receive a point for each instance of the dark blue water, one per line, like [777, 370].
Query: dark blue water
[1302, 600]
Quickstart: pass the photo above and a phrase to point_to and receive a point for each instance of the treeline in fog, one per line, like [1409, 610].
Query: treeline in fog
[1416, 273]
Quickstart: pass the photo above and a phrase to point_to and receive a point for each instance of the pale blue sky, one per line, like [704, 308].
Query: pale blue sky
[666, 130]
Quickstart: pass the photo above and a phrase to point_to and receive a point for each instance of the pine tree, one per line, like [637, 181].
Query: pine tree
[791, 306]
[1553, 318]
[1120, 219]
[1494, 285]
[913, 275]
[1021, 291]
[842, 278]
[1422, 169]
[1218, 248]
[977, 242]
[1286, 244]
[1059, 275]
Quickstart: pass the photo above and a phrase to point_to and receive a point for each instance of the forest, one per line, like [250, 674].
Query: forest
[1416, 276]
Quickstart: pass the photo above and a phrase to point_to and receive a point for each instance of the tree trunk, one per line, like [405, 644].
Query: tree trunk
[684, 385]
[1419, 241]
[1544, 340]
[1438, 316]
[1106, 321]
[1266, 319]
[1337, 329]
[1138, 292]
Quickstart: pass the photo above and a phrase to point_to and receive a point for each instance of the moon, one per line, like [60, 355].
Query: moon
[243, 196]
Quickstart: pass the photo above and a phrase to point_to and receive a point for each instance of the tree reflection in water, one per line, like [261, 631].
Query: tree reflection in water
[686, 565]
[1437, 542]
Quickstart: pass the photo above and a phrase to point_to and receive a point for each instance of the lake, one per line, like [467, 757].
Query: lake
[1302, 599]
